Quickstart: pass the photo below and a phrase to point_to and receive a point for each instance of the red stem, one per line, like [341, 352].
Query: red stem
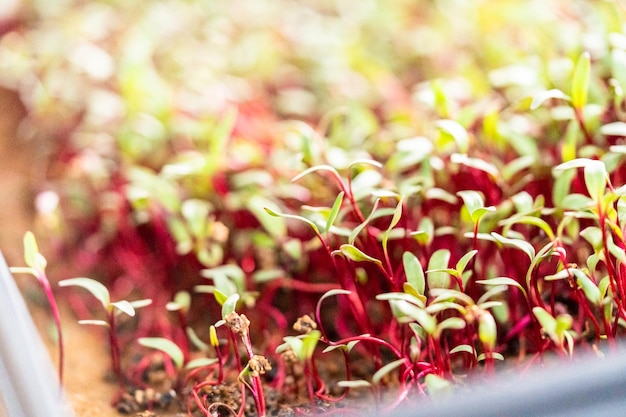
[56, 317]
[115, 350]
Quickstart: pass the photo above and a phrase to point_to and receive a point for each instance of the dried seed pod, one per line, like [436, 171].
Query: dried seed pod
[305, 324]
[259, 365]
[238, 323]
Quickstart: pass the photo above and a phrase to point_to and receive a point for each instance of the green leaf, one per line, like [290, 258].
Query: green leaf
[437, 386]
[124, 306]
[397, 214]
[260, 207]
[402, 296]
[593, 235]
[475, 204]
[94, 322]
[421, 316]
[379, 374]
[229, 305]
[494, 355]
[195, 340]
[296, 344]
[316, 168]
[414, 272]
[457, 132]
[463, 348]
[572, 164]
[580, 81]
[196, 212]
[595, 179]
[181, 301]
[517, 165]
[309, 342]
[524, 246]
[547, 322]
[462, 263]
[591, 290]
[487, 330]
[576, 202]
[96, 289]
[334, 211]
[561, 187]
[357, 230]
[23, 270]
[595, 175]
[446, 294]
[220, 297]
[542, 96]
[200, 362]
[615, 129]
[31, 251]
[475, 163]
[291, 216]
[166, 346]
[356, 383]
[503, 281]
[439, 260]
[353, 253]
[426, 233]
[452, 323]
[365, 161]
[140, 303]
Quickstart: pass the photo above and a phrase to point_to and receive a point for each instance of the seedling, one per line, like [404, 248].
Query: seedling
[257, 365]
[36, 266]
[434, 227]
[112, 311]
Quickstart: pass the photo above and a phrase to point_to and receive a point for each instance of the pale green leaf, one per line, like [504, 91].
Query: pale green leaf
[166, 346]
[181, 301]
[580, 81]
[420, 315]
[591, 290]
[94, 322]
[595, 179]
[31, 250]
[334, 211]
[200, 362]
[273, 213]
[465, 259]
[96, 288]
[543, 96]
[358, 383]
[124, 306]
[520, 244]
[229, 305]
[439, 260]
[414, 272]
[355, 254]
[437, 386]
[463, 348]
[487, 330]
[379, 374]
[457, 132]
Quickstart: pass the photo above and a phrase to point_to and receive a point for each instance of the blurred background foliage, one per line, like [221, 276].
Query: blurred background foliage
[167, 126]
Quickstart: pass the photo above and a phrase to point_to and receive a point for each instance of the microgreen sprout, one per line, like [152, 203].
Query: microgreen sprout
[36, 266]
[112, 310]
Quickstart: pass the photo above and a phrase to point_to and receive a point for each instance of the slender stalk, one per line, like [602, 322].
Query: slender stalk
[115, 350]
[57, 320]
